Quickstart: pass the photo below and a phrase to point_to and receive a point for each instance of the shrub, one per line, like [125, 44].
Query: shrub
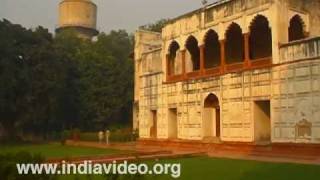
[116, 135]
[75, 134]
[65, 135]
[11, 140]
[125, 177]
[89, 136]
[123, 135]
[53, 136]
[8, 168]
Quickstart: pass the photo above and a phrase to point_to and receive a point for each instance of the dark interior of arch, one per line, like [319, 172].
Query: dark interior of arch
[174, 47]
[260, 38]
[211, 101]
[234, 44]
[192, 47]
[212, 50]
[296, 29]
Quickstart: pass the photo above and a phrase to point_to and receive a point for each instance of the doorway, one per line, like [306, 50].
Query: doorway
[153, 128]
[173, 124]
[262, 121]
[211, 117]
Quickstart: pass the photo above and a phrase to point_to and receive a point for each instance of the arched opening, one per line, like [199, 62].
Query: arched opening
[211, 117]
[260, 38]
[212, 53]
[192, 55]
[234, 44]
[173, 58]
[296, 28]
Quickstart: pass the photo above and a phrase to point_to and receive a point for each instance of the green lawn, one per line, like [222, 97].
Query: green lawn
[56, 150]
[228, 169]
[204, 168]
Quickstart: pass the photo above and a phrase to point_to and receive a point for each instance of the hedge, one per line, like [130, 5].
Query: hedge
[8, 168]
[119, 135]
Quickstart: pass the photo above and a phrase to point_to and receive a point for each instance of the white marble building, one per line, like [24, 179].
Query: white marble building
[233, 71]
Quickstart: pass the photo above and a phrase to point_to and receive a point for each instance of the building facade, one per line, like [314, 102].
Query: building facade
[232, 71]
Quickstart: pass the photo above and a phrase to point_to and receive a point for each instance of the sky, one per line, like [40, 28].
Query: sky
[112, 14]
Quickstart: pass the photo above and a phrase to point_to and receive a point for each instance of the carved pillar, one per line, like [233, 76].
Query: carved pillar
[183, 56]
[202, 60]
[223, 56]
[247, 62]
[168, 67]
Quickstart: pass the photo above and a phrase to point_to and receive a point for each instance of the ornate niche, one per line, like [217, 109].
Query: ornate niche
[304, 130]
[303, 114]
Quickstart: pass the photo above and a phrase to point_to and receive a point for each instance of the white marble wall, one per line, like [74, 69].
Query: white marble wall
[294, 92]
[292, 85]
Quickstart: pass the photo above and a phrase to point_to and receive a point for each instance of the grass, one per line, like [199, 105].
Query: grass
[56, 150]
[228, 169]
[205, 168]
[191, 168]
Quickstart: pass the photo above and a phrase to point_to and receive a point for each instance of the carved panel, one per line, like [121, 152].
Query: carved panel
[303, 129]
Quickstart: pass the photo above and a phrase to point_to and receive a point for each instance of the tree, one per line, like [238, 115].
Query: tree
[28, 77]
[13, 40]
[52, 83]
[155, 27]
[68, 48]
[107, 79]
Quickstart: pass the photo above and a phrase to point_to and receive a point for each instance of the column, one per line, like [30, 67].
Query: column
[223, 57]
[247, 62]
[202, 60]
[183, 56]
[168, 67]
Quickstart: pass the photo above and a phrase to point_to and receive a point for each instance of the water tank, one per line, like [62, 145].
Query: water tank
[79, 15]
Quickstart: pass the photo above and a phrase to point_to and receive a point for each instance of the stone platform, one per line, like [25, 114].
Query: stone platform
[293, 153]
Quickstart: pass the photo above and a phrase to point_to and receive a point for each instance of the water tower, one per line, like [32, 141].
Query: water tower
[78, 15]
